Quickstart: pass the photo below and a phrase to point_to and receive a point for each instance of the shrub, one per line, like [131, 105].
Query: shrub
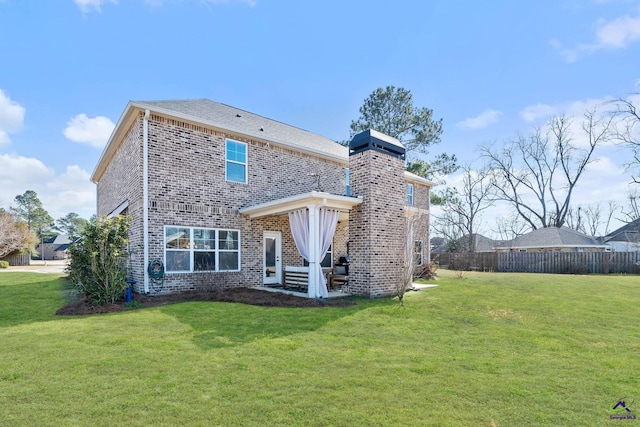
[4, 264]
[426, 271]
[460, 262]
[98, 265]
[576, 268]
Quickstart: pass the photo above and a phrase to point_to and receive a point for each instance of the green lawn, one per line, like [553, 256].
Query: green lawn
[489, 349]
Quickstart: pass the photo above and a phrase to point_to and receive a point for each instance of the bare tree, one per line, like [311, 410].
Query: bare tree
[14, 235]
[462, 209]
[574, 220]
[412, 230]
[631, 211]
[626, 112]
[592, 219]
[511, 226]
[538, 174]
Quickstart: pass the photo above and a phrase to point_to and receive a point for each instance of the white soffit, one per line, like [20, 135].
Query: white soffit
[301, 201]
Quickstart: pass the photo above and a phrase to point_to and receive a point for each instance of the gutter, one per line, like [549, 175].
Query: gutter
[145, 197]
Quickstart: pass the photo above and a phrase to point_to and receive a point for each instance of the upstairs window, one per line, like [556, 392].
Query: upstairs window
[347, 190]
[236, 161]
[410, 194]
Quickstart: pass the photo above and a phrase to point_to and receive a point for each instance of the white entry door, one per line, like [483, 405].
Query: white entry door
[272, 264]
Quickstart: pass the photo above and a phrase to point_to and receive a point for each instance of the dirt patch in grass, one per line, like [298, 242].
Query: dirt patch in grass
[240, 295]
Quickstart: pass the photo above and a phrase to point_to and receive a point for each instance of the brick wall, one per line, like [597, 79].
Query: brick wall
[122, 183]
[187, 187]
[376, 228]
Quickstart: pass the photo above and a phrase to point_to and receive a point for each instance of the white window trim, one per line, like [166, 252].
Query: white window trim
[192, 250]
[245, 164]
[410, 194]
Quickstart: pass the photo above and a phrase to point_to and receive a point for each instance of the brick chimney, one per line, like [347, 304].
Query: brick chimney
[377, 226]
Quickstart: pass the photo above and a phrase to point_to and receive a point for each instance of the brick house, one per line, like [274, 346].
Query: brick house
[210, 190]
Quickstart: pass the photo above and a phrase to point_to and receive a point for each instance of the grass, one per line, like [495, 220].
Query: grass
[490, 349]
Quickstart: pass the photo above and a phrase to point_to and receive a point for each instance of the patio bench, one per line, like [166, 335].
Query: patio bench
[296, 277]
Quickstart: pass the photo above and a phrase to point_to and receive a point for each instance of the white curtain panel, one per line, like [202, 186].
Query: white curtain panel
[299, 221]
[328, 223]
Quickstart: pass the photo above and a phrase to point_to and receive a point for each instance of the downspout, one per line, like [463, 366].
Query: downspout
[145, 197]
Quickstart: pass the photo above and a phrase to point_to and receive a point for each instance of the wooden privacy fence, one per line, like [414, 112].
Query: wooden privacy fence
[481, 261]
[570, 262]
[543, 262]
[17, 259]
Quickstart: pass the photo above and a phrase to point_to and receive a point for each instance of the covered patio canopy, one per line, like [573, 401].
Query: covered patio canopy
[299, 201]
[312, 201]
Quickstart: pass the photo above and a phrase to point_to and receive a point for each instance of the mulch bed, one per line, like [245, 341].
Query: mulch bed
[239, 295]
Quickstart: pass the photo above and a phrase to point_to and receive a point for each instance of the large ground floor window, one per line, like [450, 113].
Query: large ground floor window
[188, 249]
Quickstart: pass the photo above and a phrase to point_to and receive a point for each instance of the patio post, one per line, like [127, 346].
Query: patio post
[314, 217]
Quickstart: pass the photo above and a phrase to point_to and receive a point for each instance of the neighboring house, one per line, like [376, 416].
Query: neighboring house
[438, 245]
[625, 238]
[217, 194]
[479, 243]
[553, 239]
[55, 248]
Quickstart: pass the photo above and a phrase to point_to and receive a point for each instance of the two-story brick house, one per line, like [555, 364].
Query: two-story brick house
[213, 192]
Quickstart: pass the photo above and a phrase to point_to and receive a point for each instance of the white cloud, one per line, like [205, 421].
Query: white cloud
[11, 118]
[542, 112]
[71, 191]
[619, 33]
[87, 6]
[486, 118]
[93, 131]
[60, 194]
[532, 113]
[609, 35]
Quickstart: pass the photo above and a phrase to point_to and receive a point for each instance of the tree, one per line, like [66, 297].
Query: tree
[29, 209]
[71, 224]
[462, 208]
[391, 111]
[511, 226]
[592, 219]
[409, 263]
[14, 235]
[626, 113]
[98, 265]
[631, 211]
[537, 174]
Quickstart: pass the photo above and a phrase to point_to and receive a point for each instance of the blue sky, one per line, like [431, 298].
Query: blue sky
[489, 69]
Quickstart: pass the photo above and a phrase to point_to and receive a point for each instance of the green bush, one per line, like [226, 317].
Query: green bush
[98, 265]
[4, 264]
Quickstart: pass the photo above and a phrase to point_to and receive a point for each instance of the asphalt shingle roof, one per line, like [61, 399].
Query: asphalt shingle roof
[235, 119]
[550, 237]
